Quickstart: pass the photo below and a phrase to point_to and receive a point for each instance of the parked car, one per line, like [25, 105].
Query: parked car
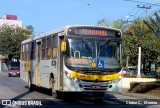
[136, 71]
[154, 74]
[14, 71]
[132, 70]
[125, 71]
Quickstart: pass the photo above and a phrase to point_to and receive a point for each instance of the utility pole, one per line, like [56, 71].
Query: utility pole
[144, 7]
[139, 63]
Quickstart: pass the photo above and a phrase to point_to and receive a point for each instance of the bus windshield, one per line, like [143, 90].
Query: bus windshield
[82, 52]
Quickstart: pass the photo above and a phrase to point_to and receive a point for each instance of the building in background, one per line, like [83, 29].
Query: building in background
[10, 20]
[3, 63]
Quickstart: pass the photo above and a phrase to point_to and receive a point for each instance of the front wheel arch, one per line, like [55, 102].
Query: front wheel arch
[52, 86]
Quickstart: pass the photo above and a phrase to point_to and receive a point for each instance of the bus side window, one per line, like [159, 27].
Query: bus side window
[32, 54]
[43, 49]
[54, 51]
[27, 51]
[23, 52]
[48, 47]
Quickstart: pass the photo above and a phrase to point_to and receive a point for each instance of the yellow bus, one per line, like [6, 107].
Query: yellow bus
[78, 58]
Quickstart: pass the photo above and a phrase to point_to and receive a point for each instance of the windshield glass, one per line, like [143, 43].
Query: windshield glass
[15, 64]
[14, 68]
[82, 53]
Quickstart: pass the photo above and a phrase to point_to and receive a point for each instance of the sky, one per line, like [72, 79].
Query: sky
[47, 15]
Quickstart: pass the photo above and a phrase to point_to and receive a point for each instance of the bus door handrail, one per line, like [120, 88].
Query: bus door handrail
[77, 52]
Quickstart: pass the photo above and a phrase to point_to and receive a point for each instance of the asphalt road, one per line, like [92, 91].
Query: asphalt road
[15, 89]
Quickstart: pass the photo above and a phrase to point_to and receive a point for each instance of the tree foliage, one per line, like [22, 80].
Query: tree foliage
[137, 35]
[10, 39]
[153, 23]
[115, 24]
[103, 22]
[30, 28]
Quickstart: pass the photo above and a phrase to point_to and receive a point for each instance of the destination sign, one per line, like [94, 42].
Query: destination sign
[92, 32]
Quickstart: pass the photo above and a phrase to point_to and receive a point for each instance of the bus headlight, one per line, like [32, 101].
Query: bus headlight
[116, 80]
[69, 76]
[109, 81]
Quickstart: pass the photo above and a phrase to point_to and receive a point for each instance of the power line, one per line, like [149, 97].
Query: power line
[99, 11]
[142, 13]
[132, 10]
[132, 15]
[140, 7]
[155, 4]
[144, 7]
[129, 14]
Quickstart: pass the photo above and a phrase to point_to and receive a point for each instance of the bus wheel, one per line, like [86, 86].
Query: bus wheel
[52, 91]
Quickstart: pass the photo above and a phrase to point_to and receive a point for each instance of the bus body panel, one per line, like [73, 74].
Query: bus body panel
[46, 68]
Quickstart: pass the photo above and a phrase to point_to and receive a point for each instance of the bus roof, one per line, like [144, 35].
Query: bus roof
[64, 30]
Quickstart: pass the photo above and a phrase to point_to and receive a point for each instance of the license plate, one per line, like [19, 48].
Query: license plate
[96, 86]
[13, 73]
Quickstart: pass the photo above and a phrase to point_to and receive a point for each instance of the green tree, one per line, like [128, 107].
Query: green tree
[137, 35]
[10, 39]
[30, 28]
[103, 22]
[153, 23]
[115, 24]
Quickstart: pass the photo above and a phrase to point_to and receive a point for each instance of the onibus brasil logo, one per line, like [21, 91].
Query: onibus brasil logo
[21, 102]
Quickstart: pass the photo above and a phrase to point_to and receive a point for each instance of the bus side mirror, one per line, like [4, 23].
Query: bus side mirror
[63, 46]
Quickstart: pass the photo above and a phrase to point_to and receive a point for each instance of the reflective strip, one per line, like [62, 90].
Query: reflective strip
[95, 77]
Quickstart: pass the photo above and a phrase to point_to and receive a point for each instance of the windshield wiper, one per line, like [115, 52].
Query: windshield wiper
[87, 45]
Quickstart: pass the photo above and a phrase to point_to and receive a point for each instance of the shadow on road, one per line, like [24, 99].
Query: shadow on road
[21, 95]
